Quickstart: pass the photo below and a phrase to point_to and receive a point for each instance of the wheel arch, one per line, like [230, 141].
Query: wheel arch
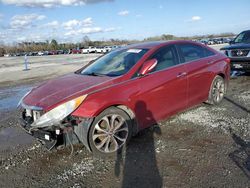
[224, 77]
[132, 116]
[123, 108]
[129, 112]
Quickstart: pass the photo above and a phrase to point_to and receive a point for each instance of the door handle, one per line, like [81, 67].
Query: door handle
[181, 74]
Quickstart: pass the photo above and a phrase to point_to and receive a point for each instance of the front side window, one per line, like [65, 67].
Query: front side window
[191, 52]
[115, 63]
[166, 57]
[243, 37]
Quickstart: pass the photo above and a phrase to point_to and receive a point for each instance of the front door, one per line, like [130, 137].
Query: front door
[162, 92]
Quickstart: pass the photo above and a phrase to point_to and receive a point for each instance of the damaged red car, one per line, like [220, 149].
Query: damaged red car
[112, 98]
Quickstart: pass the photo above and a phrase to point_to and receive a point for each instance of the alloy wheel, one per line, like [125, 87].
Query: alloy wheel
[218, 90]
[110, 133]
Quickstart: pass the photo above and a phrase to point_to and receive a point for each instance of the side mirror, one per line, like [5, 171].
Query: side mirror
[148, 66]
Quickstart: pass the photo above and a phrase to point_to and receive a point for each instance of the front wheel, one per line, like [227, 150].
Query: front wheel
[217, 90]
[109, 132]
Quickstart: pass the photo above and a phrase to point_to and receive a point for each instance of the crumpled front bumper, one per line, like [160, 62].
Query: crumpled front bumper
[47, 138]
[68, 135]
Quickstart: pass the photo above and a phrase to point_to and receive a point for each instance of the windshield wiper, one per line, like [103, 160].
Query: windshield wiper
[93, 74]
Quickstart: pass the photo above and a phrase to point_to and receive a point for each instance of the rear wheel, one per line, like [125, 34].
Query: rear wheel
[217, 90]
[109, 132]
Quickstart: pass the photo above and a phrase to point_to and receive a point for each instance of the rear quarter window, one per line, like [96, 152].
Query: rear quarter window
[208, 52]
[192, 52]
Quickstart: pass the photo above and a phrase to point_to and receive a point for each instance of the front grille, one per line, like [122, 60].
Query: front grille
[244, 65]
[239, 53]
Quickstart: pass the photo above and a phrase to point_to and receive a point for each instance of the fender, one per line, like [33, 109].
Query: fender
[98, 101]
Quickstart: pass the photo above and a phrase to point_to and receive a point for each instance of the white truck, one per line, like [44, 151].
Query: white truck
[104, 49]
[90, 49]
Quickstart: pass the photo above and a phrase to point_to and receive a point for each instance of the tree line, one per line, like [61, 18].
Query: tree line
[54, 45]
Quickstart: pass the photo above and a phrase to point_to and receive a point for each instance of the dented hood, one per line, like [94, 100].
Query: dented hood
[64, 88]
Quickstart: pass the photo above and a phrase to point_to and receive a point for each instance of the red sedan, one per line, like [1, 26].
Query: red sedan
[106, 102]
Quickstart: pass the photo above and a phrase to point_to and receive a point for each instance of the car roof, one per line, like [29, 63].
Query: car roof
[146, 45]
[245, 31]
[157, 44]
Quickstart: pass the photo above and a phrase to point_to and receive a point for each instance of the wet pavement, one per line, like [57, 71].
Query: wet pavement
[10, 97]
[12, 137]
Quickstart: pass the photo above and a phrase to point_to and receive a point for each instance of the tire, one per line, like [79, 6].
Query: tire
[217, 90]
[110, 132]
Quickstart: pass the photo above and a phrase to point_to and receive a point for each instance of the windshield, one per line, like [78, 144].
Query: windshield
[115, 63]
[243, 37]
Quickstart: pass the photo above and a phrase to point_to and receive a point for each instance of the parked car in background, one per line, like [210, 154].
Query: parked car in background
[217, 40]
[60, 52]
[7, 55]
[107, 49]
[104, 49]
[75, 51]
[66, 51]
[204, 41]
[239, 52]
[99, 49]
[226, 40]
[210, 42]
[90, 49]
[114, 47]
[40, 53]
[52, 52]
[106, 102]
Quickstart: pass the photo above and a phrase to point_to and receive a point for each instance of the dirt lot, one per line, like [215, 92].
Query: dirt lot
[41, 68]
[206, 146]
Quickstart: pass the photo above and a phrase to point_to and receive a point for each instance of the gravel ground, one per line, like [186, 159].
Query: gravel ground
[206, 146]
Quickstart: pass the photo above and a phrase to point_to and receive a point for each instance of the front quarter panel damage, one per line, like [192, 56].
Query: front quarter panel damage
[82, 130]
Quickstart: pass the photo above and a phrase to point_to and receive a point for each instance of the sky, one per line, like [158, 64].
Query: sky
[71, 20]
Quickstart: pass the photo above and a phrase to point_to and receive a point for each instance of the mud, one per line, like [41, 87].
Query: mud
[10, 97]
[12, 138]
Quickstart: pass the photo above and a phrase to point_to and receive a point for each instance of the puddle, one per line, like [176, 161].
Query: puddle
[13, 137]
[10, 97]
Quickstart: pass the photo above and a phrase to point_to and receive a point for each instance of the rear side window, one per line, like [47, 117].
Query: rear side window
[192, 52]
[208, 52]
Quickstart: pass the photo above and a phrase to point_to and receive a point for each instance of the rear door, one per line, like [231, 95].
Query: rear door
[197, 60]
[163, 92]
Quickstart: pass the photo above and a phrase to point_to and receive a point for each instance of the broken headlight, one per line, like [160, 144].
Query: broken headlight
[54, 116]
